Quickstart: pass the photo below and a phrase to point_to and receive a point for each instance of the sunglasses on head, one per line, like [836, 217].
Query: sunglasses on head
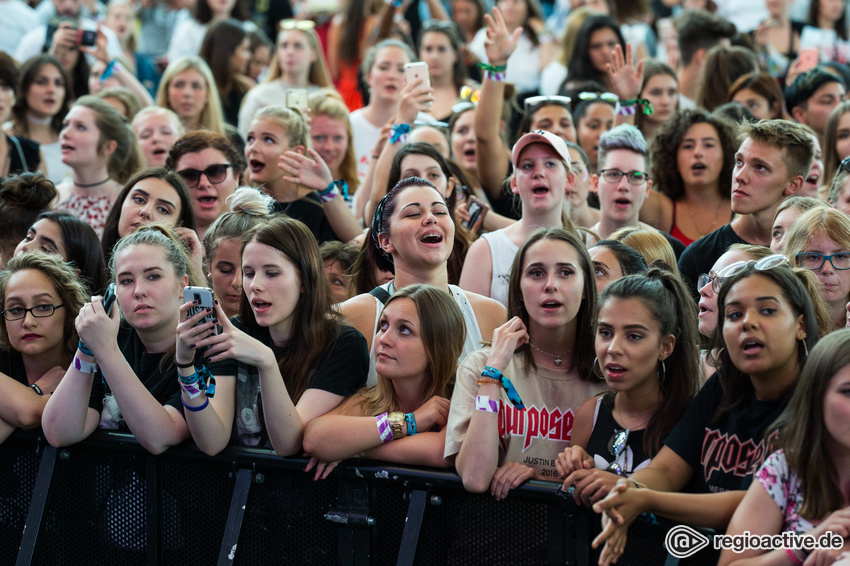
[764, 264]
[606, 96]
[533, 101]
[214, 173]
[468, 94]
[302, 25]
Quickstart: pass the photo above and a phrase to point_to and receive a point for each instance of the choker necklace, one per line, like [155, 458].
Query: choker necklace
[42, 121]
[90, 185]
[557, 357]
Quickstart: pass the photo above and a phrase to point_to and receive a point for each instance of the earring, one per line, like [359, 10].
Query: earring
[663, 372]
[805, 347]
[593, 367]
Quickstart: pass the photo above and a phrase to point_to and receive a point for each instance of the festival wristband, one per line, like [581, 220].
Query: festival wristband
[335, 188]
[192, 390]
[37, 389]
[483, 403]
[83, 366]
[81, 346]
[198, 408]
[496, 73]
[411, 423]
[384, 428]
[202, 376]
[511, 391]
[399, 133]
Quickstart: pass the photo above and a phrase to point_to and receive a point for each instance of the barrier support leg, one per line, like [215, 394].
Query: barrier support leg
[37, 505]
[412, 525]
[234, 517]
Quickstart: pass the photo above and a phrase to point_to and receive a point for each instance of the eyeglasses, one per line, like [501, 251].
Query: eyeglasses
[606, 96]
[533, 101]
[616, 447]
[764, 264]
[815, 261]
[38, 311]
[614, 176]
[215, 174]
[468, 94]
[706, 278]
[303, 25]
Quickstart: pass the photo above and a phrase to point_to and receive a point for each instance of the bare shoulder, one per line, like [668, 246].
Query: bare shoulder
[657, 211]
[360, 313]
[490, 313]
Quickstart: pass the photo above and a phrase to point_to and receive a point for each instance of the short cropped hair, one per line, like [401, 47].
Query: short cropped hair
[698, 29]
[784, 135]
[624, 136]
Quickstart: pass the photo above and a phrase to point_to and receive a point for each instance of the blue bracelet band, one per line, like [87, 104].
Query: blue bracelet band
[411, 423]
[81, 346]
[202, 376]
[196, 409]
[511, 391]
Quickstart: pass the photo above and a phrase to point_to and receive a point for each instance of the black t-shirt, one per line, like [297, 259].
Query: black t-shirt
[309, 210]
[163, 387]
[725, 455]
[12, 364]
[341, 369]
[631, 458]
[29, 151]
[701, 255]
[675, 243]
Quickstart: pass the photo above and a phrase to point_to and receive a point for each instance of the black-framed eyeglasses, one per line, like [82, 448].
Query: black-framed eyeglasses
[215, 174]
[814, 261]
[38, 311]
[764, 264]
[614, 176]
[533, 101]
[606, 96]
[706, 278]
[617, 447]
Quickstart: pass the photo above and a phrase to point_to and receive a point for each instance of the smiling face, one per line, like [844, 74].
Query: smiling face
[148, 291]
[606, 266]
[208, 199]
[330, 140]
[150, 201]
[386, 77]
[294, 52]
[267, 140]
[700, 156]
[272, 284]
[621, 202]
[80, 138]
[156, 135]
[541, 179]
[834, 283]
[707, 296]
[760, 178]
[420, 232]
[187, 96]
[598, 119]
[226, 274]
[46, 93]
[45, 235]
[629, 345]
[399, 348]
[556, 119]
[552, 284]
[662, 91]
[463, 141]
[34, 336]
[760, 328]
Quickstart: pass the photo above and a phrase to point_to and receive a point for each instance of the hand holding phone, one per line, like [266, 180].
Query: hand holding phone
[415, 71]
[203, 299]
[109, 298]
[477, 211]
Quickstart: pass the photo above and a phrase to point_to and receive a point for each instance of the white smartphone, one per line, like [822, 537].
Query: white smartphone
[414, 71]
[297, 98]
[204, 297]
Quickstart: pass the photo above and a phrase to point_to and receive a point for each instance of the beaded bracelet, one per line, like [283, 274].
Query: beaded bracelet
[511, 391]
[399, 133]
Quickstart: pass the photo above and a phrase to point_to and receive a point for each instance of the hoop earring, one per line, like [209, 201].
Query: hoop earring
[805, 347]
[593, 367]
[663, 373]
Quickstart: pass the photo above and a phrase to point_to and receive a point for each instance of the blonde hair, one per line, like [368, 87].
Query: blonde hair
[319, 74]
[290, 120]
[328, 103]
[173, 118]
[648, 243]
[212, 117]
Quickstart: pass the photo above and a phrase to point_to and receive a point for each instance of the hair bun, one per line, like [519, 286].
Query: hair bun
[31, 191]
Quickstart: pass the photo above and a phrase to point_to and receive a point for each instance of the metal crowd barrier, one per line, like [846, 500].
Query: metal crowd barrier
[108, 501]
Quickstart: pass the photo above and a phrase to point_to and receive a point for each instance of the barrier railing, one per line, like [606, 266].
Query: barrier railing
[108, 501]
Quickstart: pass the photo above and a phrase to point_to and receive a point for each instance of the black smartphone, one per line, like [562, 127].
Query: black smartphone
[109, 298]
[477, 211]
[86, 37]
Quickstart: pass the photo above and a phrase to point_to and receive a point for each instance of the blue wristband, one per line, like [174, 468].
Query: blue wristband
[195, 409]
[411, 423]
[511, 391]
[81, 346]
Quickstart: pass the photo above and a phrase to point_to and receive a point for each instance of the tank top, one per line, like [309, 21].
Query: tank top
[502, 253]
[473, 332]
[676, 233]
[632, 458]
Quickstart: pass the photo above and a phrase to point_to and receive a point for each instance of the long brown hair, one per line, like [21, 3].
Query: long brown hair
[316, 323]
[442, 329]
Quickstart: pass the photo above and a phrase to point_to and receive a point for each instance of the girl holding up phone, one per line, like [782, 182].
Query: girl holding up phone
[135, 359]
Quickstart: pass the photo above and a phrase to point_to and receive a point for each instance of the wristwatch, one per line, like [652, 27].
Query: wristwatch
[398, 424]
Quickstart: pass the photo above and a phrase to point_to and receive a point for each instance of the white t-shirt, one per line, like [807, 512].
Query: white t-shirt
[364, 140]
[16, 19]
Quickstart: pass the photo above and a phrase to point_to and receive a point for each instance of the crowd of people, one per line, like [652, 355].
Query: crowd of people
[603, 244]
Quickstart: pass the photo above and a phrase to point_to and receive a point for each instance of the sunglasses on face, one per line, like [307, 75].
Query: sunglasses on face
[214, 173]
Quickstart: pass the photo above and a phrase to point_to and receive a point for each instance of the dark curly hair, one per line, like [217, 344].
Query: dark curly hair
[665, 148]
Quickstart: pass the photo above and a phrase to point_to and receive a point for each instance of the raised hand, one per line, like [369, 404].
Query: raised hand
[500, 42]
[309, 170]
[506, 339]
[626, 78]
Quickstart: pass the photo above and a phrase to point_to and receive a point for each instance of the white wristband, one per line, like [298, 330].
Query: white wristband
[83, 366]
[483, 403]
